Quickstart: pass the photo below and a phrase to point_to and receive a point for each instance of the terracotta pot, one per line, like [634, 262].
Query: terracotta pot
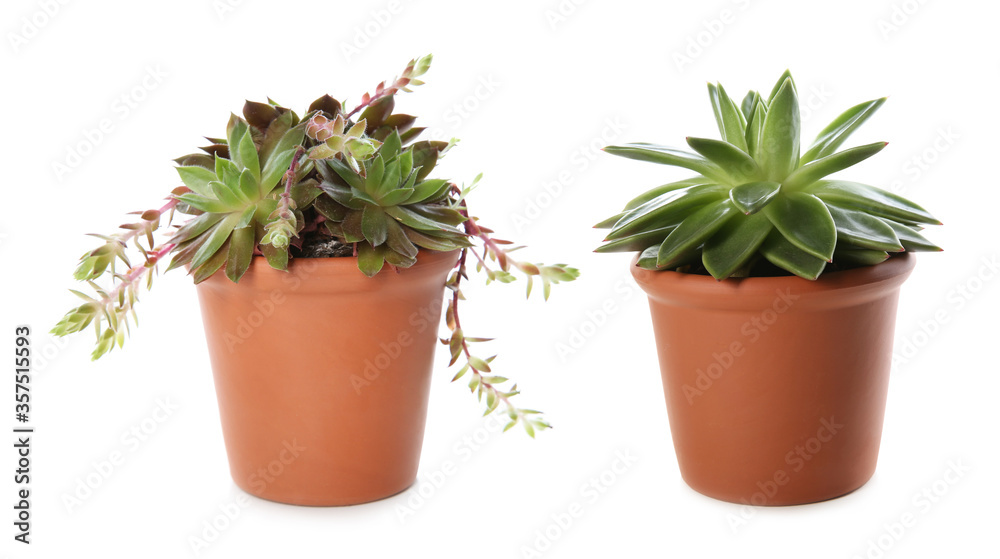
[776, 386]
[322, 375]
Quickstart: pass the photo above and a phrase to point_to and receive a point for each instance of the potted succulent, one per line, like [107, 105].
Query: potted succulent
[773, 292]
[322, 250]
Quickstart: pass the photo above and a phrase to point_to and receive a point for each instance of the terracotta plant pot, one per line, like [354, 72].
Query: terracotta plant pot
[776, 386]
[323, 375]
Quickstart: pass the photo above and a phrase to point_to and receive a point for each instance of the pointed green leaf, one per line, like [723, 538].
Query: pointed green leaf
[374, 225]
[274, 171]
[637, 242]
[864, 231]
[249, 190]
[408, 217]
[783, 254]
[805, 221]
[751, 197]
[197, 178]
[346, 173]
[693, 231]
[647, 259]
[786, 75]
[370, 260]
[391, 146]
[815, 170]
[277, 130]
[749, 104]
[666, 210]
[240, 253]
[732, 123]
[390, 181]
[235, 130]
[910, 238]
[429, 242]
[203, 203]
[859, 257]
[277, 258]
[374, 177]
[669, 156]
[228, 197]
[778, 152]
[735, 162]
[840, 129]
[663, 189]
[398, 241]
[755, 129]
[733, 246]
[428, 190]
[872, 200]
[216, 237]
[212, 265]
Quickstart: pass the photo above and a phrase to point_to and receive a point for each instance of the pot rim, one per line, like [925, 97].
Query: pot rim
[325, 274]
[834, 289]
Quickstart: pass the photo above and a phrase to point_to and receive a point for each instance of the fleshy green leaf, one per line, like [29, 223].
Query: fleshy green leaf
[218, 235]
[840, 129]
[277, 166]
[812, 172]
[864, 231]
[749, 105]
[245, 155]
[755, 129]
[732, 124]
[197, 178]
[638, 241]
[786, 75]
[805, 221]
[778, 152]
[734, 161]
[240, 253]
[872, 200]
[234, 132]
[666, 210]
[663, 189]
[859, 257]
[374, 225]
[910, 238]
[212, 265]
[277, 258]
[693, 231]
[229, 198]
[370, 259]
[783, 254]
[751, 197]
[391, 146]
[398, 241]
[733, 246]
[428, 190]
[669, 156]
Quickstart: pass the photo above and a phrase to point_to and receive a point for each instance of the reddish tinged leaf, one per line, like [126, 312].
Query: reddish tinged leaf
[455, 346]
[327, 104]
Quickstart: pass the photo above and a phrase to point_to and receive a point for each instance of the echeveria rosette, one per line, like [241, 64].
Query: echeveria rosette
[758, 204]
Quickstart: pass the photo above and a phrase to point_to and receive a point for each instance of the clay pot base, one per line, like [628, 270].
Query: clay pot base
[776, 386]
[323, 375]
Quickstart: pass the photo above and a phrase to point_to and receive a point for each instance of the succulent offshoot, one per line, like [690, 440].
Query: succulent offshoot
[759, 205]
[359, 178]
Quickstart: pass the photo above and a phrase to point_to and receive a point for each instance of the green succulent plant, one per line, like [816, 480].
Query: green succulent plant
[278, 184]
[760, 207]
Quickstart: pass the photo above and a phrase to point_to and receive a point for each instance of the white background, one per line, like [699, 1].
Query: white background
[558, 87]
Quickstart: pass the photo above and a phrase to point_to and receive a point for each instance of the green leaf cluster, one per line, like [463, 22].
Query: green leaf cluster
[758, 205]
[391, 209]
